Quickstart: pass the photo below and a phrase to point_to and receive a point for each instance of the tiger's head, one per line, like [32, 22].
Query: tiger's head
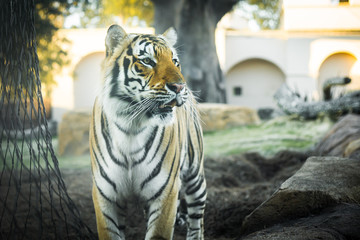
[143, 80]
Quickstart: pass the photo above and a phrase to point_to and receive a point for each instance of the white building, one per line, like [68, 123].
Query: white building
[319, 39]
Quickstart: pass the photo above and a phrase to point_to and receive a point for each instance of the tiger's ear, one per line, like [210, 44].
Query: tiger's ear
[115, 35]
[171, 36]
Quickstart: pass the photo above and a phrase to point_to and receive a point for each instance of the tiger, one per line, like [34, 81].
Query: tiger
[146, 140]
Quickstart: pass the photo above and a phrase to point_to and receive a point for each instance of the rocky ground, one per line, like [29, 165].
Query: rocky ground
[288, 196]
[236, 186]
[250, 197]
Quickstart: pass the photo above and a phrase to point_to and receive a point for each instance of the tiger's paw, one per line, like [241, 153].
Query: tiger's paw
[180, 219]
[195, 234]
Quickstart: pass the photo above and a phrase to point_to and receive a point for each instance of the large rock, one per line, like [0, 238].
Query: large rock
[321, 182]
[74, 133]
[335, 223]
[221, 116]
[343, 139]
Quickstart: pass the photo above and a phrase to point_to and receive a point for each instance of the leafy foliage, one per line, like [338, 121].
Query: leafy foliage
[132, 12]
[266, 13]
[89, 14]
[49, 17]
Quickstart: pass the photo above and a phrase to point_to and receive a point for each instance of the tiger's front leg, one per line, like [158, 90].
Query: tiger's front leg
[161, 217]
[195, 196]
[110, 217]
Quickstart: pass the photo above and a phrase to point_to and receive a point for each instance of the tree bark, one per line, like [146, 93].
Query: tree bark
[166, 14]
[291, 103]
[195, 22]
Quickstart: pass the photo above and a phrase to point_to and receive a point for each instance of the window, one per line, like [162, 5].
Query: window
[237, 91]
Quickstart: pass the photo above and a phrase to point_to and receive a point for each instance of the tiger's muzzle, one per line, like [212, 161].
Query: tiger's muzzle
[177, 91]
[175, 87]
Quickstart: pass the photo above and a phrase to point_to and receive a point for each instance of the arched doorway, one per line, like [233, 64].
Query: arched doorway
[253, 83]
[87, 80]
[340, 65]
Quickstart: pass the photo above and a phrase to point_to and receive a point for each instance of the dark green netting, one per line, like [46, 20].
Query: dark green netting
[34, 203]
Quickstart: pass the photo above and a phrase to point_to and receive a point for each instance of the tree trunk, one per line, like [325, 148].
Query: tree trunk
[195, 22]
[166, 14]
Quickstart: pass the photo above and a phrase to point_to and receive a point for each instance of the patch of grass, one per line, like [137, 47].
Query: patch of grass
[267, 138]
[34, 154]
[75, 161]
[71, 161]
[31, 152]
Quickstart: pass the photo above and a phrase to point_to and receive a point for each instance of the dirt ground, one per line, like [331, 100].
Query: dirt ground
[236, 186]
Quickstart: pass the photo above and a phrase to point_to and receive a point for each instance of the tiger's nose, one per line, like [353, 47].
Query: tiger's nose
[175, 87]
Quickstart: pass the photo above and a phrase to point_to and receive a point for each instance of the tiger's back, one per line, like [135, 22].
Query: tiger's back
[145, 145]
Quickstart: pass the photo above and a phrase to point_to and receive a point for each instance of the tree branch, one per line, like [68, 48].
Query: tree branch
[329, 83]
[221, 7]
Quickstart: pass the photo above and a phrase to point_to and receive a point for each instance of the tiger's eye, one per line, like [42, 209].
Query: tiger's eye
[148, 62]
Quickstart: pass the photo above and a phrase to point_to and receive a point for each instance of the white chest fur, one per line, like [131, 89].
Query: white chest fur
[136, 150]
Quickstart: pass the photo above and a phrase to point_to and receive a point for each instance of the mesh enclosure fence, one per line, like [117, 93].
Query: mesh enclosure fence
[34, 203]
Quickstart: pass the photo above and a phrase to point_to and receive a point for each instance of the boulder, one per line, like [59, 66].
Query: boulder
[343, 139]
[353, 149]
[322, 182]
[74, 133]
[335, 223]
[221, 116]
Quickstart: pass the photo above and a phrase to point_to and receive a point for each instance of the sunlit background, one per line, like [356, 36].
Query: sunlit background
[284, 147]
[260, 46]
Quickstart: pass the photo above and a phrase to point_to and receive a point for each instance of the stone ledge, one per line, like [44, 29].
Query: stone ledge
[221, 116]
[73, 133]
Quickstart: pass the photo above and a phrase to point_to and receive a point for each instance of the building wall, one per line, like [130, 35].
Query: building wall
[269, 46]
[87, 79]
[256, 62]
[303, 54]
[83, 42]
[299, 56]
[312, 15]
[288, 52]
[253, 82]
